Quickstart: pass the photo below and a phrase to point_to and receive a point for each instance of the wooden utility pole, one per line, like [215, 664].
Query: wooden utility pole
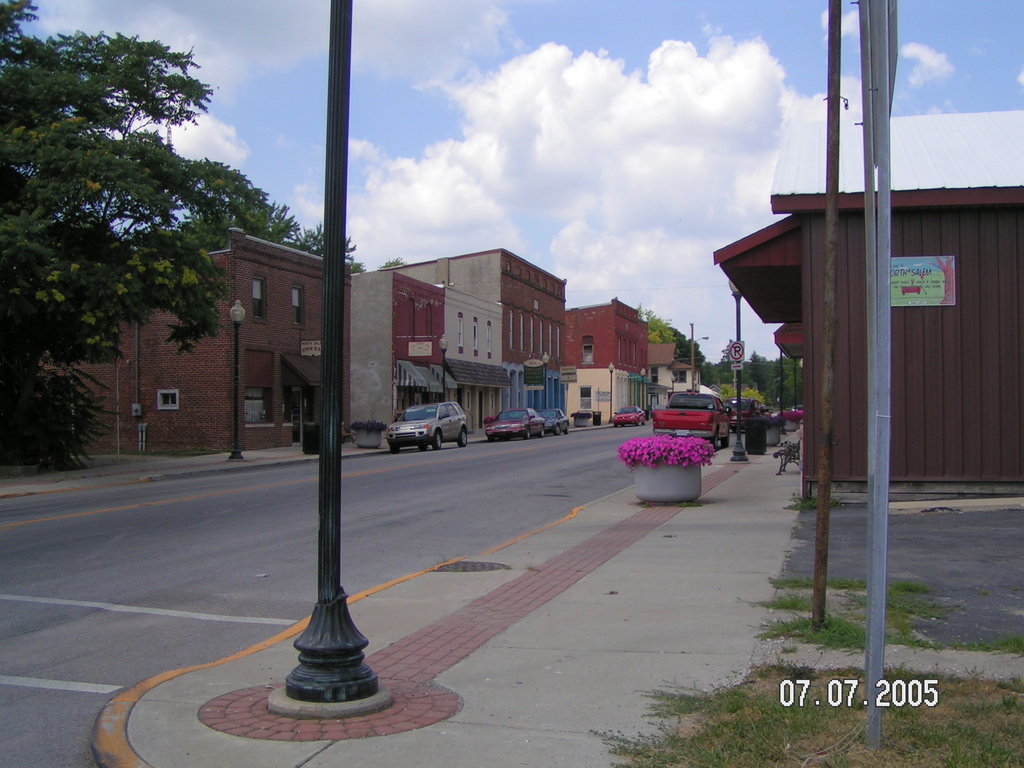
[825, 423]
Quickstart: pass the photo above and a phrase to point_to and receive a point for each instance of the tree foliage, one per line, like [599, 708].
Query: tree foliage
[92, 202]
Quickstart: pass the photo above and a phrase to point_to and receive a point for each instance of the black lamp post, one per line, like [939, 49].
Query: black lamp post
[331, 668]
[237, 315]
[738, 452]
[443, 345]
[611, 389]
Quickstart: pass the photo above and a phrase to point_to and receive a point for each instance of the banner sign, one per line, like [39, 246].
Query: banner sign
[533, 374]
[922, 281]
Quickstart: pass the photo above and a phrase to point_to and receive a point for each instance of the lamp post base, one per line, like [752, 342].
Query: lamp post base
[235, 455]
[331, 667]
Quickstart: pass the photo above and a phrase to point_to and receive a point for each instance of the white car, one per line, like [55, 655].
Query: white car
[428, 426]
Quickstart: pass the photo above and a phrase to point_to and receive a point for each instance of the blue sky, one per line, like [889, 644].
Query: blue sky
[615, 143]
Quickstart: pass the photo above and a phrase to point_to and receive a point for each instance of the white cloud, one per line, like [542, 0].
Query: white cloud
[637, 176]
[230, 41]
[210, 138]
[930, 65]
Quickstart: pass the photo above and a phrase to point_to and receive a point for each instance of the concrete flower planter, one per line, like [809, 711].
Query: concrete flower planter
[367, 438]
[774, 435]
[667, 483]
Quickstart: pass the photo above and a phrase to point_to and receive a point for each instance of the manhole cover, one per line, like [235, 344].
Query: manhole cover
[467, 566]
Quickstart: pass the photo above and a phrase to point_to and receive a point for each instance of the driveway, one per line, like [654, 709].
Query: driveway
[972, 560]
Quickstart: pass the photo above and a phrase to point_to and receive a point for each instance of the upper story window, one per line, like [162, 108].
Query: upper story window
[476, 337]
[588, 351]
[297, 304]
[488, 340]
[462, 333]
[259, 301]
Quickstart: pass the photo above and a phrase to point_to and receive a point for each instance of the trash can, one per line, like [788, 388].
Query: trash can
[311, 438]
[597, 418]
[755, 436]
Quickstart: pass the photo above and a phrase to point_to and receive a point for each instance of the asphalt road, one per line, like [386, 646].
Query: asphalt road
[973, 561]
[104, 588]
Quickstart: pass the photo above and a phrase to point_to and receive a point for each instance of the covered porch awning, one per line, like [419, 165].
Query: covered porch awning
[790, 339]
[299, 371]
[478, 374]
[766, 267]
[416, 377]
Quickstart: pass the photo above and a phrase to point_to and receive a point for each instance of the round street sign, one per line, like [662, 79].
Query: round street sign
[736, 351]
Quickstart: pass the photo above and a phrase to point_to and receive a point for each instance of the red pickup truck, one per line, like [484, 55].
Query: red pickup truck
[694, 414]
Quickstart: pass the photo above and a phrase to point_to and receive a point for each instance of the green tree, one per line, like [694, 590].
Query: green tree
[396, 262]
[311, 240]
[91, 206]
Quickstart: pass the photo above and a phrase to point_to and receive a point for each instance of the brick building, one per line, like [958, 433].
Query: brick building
[532, 303]
[157, 398]
[608, 345]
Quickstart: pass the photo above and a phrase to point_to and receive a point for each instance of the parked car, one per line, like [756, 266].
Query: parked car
[694, 414]
[629, 414]
[428, 426]
[515, 422]
[555, 420]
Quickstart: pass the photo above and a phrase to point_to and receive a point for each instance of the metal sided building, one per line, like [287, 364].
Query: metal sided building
[956, 289]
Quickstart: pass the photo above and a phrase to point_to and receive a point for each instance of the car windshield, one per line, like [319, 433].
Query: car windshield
[694, 402]
[419, 413]
[628, 409]
[550, 413]
[511, 415]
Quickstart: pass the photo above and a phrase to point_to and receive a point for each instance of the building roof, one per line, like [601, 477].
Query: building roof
[949, 151]
[481, 374]
[661, 354]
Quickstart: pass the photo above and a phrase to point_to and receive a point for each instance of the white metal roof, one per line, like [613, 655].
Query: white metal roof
[946, 151]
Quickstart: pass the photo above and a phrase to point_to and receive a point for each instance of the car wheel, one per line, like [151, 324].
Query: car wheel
[526, 434]
[542, 432]
[393, 448]
[490, 438]
[565, 430]
[435, 444]
[723, 442]
[463, 440]
[422, 446]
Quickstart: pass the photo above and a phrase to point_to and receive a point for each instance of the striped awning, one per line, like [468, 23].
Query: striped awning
[416, 377]
[441, 375]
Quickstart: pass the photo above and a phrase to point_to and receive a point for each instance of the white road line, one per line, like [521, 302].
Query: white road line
[152, 611]
[58, 685]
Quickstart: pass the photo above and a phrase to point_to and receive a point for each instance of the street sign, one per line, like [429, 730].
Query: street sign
[737, 351]
[737, 366]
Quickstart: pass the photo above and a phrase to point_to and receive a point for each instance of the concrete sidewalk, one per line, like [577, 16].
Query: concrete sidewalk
[520, 665]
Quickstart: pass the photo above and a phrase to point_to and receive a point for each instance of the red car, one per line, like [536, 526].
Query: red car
[516, 422]
[630, 414]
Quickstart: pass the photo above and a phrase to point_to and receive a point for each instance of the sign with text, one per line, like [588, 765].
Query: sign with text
[922, 281]
[309, 347]
[568, 373]
[420, 348]
[533, 374]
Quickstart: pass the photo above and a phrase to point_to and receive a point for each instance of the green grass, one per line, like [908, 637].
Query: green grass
[976, 724]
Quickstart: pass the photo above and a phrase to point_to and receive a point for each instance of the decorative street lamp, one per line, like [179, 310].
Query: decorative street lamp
[738, 453]
[237, 315]
[443, 345]
[611, 389]
[544, 359]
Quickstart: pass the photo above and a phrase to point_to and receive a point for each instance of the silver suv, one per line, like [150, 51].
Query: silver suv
[428, 426]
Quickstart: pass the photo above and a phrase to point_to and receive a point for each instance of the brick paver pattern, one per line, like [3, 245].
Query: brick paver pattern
[408, 667]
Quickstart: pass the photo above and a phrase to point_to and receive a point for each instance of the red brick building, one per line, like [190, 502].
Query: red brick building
[158, 398]
[608, 345]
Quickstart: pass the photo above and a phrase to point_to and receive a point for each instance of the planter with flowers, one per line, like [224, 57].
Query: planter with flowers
[582, 418]
[367, 434]
[793, 419]
[775, 425]
[666, 468]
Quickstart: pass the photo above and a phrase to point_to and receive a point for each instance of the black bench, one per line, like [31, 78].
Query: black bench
[788, 453]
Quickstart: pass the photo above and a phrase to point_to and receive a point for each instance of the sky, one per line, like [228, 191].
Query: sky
[614, 143]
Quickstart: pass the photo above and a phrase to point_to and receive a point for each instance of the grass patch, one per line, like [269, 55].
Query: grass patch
[976, 724]
[906, 602]
[1012, 644]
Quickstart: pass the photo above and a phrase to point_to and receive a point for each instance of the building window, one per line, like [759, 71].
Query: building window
[588, 351]
[522, 332]
[489, 355]
[257, 404]
[297, 304]
[476, 337]
[167, 399]
[259, 300]
[511, 346]
[586, 401]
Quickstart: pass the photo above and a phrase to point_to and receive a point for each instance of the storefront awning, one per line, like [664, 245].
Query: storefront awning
[449, 382]
[299, 371]
[478, 374]
[416, 377]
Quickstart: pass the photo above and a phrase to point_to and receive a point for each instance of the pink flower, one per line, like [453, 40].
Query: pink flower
[666, 449]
